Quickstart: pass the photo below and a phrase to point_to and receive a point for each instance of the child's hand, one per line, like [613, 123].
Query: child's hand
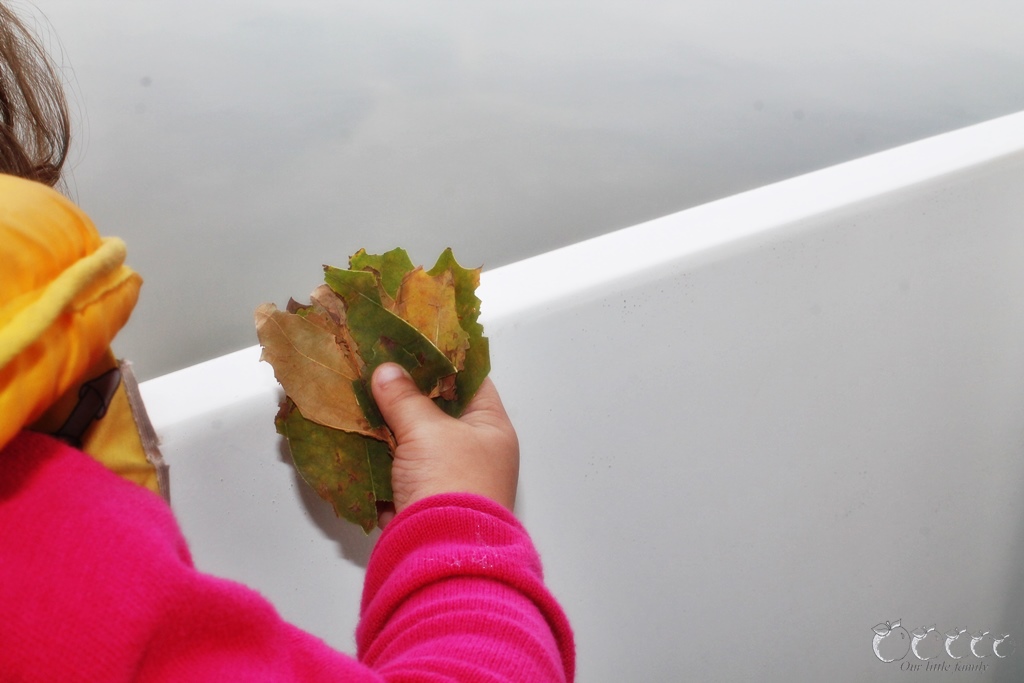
[477, 453]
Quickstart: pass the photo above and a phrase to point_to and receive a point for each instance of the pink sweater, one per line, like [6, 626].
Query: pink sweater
[96, 584]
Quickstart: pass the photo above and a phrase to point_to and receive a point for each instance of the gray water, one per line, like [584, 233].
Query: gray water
[238, 145]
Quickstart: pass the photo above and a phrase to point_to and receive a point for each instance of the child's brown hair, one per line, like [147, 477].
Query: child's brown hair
[34, 123]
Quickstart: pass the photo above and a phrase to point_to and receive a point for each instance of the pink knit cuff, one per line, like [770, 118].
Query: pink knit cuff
[471, 547]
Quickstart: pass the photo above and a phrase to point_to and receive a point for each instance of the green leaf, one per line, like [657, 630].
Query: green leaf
[382, 336]
[352, 286]
[389, 268]
[350, 471]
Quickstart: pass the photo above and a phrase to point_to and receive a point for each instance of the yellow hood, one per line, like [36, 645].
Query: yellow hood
[64, 293]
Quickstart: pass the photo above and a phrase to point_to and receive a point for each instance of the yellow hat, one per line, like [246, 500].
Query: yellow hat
[64, 293]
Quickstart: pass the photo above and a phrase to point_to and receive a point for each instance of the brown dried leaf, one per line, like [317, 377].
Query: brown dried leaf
[323, 297]
[311, 364]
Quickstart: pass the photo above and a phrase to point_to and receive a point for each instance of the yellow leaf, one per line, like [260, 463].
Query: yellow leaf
[427, 302]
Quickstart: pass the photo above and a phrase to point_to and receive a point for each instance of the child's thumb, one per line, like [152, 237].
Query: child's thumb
[400, 401]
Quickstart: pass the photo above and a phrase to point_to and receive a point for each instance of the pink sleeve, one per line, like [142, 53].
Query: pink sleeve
[455, 585]
[97, 585]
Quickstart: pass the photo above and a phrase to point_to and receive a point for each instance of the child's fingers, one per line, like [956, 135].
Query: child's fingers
[400, 401]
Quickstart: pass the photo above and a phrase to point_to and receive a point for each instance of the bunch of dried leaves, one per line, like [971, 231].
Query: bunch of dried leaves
[382, 309]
